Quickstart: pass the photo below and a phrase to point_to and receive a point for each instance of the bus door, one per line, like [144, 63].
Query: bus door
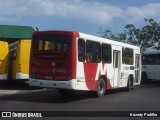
[116, 67]
[137, 68]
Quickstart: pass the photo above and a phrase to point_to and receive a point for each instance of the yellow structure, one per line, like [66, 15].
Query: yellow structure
[3, 60]
[19, 56]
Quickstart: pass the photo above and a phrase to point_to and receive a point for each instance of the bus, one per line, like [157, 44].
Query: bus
[151, 65]
[19, 55]
[3, 60]
[70, 61]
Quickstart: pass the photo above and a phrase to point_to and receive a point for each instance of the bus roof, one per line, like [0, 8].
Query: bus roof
[108, 41]
[151, 52]
[15, 32]
[94, 38]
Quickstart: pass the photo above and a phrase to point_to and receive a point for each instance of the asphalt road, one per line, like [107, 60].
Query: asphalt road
[21, 97]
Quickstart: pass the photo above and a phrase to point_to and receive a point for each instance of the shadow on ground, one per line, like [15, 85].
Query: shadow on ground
[35, 94]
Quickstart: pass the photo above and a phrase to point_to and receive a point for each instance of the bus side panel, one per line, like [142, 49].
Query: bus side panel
[89, 73]
[90, 70]
[23, 59]
[73, 53]
[93, 72]
[3, 60]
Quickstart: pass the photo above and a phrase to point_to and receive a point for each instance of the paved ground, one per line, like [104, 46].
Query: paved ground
[21, 97]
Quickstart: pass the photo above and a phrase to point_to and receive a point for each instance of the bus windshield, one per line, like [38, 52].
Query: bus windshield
[51, 42]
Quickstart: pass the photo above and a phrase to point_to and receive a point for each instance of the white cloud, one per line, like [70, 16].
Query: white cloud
[91, 11]
[78, 9]
[135, 14]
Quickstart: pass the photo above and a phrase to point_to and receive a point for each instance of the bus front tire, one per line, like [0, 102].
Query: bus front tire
[101, 88]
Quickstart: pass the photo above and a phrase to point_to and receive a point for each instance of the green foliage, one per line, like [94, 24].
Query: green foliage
[145, 37]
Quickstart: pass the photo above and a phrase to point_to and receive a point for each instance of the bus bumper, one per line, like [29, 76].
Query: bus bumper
[71, 84]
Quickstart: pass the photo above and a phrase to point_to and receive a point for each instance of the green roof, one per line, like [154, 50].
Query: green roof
[16, 32]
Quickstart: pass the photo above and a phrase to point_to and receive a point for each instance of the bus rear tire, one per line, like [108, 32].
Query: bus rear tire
[101, 88]
[129, 84]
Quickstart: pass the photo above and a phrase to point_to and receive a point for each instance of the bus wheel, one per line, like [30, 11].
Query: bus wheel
[66, 92]
[144, 77]
[101, 88]
[129, 84]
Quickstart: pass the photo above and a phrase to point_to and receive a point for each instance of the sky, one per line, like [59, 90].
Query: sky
[86, 16]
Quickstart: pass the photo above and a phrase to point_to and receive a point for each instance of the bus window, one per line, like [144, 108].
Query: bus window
[65, 47]
[115, 56]
[81, 50]
[128, 56]
[106, 53]
[123, 55]
[93, 51]
[144, 59]
[152, 59]
[40, 45]
[47, 45]
[52, 42]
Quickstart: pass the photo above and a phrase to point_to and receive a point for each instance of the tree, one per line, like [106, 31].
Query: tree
[145, 37]
[109, 35]
[151, 33]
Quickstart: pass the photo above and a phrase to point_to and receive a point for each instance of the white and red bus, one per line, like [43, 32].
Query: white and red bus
[70, 61]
